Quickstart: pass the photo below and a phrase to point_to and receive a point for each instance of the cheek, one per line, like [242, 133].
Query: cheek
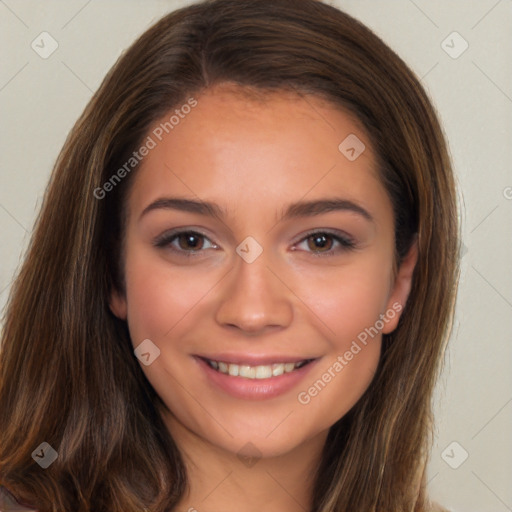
[347, 303]
[160, 296]
[347, 299]
[350, 309]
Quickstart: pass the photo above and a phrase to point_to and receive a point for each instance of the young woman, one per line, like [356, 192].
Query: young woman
[239, 290]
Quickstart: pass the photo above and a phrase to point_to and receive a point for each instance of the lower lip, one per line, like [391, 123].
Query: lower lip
[255, 389]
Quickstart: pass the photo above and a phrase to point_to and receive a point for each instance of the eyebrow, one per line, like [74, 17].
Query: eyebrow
[293, 210]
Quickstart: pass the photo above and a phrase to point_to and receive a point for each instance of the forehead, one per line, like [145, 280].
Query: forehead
[244, 146]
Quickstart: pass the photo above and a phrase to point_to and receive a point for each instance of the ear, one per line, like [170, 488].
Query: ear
[117, 304]
[401, 287]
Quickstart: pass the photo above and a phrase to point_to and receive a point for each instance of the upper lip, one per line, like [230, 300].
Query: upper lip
[253, 359]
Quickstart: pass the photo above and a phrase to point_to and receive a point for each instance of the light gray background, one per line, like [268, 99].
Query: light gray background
[40, 100]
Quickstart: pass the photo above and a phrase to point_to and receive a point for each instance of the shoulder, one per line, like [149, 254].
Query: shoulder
[8, 502]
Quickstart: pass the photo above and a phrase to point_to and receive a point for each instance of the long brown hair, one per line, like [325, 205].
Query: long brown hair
[68, 375]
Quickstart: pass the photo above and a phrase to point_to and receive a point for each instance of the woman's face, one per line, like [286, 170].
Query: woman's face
[256, 244]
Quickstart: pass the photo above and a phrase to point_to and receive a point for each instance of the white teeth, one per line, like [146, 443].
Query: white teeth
[277, 369]
[255, 372]
[289, 367]
[247, 371]
[263, 372]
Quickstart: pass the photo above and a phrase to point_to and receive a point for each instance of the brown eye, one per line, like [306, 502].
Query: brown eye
[323, 243]
[184, 243]
[193, 241]
[320, 242]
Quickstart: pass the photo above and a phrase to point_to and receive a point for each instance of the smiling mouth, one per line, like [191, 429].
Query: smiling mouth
[256, 372]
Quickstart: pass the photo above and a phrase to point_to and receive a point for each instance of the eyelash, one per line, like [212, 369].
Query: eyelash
[165, 241]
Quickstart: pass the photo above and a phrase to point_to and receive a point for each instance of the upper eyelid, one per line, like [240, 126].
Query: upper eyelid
[173, 234]
[333, 232]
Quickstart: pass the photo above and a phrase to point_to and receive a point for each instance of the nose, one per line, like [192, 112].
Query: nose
[254, 298]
